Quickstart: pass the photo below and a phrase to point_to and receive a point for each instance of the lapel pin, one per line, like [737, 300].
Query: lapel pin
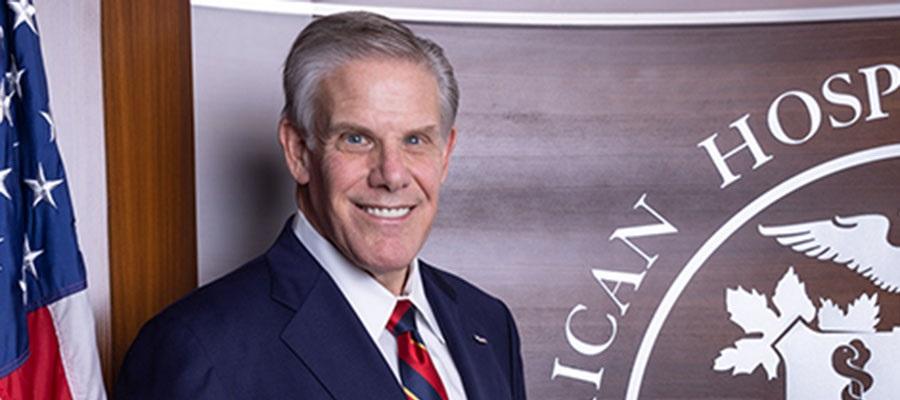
[480, 339]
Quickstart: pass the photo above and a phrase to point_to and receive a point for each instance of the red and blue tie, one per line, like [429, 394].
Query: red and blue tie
[417, 373]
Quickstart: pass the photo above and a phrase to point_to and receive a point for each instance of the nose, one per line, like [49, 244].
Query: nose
[390, 171]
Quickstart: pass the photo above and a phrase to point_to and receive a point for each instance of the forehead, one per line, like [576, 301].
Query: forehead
[378, 91]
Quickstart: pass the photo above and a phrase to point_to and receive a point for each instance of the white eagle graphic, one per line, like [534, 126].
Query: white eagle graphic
[860, 242]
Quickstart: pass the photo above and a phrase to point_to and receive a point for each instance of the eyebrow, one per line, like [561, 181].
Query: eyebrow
[345, 126]
[427, 129]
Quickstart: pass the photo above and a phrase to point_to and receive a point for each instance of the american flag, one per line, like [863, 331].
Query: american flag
[47, 342]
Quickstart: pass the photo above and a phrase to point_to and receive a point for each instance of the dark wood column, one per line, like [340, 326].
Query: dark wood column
[150, 162]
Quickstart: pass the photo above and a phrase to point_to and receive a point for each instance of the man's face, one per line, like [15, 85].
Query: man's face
[373, 177]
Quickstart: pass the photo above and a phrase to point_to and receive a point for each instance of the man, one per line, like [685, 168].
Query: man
[341, 307]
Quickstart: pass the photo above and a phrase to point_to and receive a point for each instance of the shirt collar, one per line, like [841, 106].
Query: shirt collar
[371, 301]
[415, 292]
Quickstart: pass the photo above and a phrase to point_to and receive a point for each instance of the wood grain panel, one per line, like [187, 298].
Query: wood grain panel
[149, 140]
[562, 130]
[599, 6]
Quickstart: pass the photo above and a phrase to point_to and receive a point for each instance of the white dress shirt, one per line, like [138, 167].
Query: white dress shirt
[373, 305]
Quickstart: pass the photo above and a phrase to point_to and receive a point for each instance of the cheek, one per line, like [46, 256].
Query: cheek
[322, 181]
[341, 174]
[429, 175]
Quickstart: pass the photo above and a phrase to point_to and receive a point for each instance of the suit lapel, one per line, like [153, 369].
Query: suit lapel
[324, 331]
[332, 343]
[475, 361]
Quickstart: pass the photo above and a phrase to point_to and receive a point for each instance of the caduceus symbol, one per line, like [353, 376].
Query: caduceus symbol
[849, 360]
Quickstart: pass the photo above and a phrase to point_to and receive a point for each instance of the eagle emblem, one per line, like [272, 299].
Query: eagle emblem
[859, 242]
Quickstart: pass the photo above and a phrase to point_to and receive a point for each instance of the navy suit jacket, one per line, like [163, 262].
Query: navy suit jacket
[279, 328]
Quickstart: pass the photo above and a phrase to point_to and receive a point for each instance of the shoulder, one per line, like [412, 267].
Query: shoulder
[235, 293]
[180, 352]
[458, 286]
[238, 306]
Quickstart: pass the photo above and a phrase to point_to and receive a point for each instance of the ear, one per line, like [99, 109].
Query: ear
[448, 150]
[296, 151]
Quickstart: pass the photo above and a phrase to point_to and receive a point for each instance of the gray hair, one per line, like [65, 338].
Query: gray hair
[330, 42]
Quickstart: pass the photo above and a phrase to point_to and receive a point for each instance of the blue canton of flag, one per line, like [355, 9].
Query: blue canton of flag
[40, 263]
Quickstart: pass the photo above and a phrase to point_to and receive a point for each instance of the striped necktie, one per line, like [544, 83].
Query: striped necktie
[417, 373]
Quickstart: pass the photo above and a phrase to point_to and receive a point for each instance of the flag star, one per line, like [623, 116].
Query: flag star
[24, 287]
[28, 259]
[14, 77]
[49, 119]
[6, 98]
[42, 188]
[24, 13]
[28, 266]
[3, 191]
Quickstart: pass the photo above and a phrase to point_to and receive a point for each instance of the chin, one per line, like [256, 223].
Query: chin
[388, 263]
[390, 252]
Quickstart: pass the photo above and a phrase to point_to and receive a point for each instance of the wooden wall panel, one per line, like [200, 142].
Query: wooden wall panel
[149, 140]
[606, 6]
[561, 131]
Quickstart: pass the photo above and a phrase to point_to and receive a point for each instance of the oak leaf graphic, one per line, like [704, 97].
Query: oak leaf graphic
[751, 312]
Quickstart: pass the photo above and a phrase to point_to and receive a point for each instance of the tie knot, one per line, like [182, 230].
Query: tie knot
[403, 319]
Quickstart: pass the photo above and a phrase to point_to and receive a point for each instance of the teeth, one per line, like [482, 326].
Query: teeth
[388, 212]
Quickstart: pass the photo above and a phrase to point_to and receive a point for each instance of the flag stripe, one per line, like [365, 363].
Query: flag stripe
[41, 377]
[72, 317]
[46, 326]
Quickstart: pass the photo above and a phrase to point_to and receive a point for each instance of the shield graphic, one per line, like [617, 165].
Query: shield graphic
[828, 352]
[815, 368]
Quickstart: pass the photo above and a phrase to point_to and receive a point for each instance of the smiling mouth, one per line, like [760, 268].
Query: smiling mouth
[387, 212]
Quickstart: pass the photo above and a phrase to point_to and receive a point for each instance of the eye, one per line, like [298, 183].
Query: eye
[354, 141]
[413, 140]
[354, 138]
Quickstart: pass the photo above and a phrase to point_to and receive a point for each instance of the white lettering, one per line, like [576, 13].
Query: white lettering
[871, 74]
[750, 142]
[602, 276]
[577, 374]
[582, 346]
[842, 99]
[812, 108]
[661, 228]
